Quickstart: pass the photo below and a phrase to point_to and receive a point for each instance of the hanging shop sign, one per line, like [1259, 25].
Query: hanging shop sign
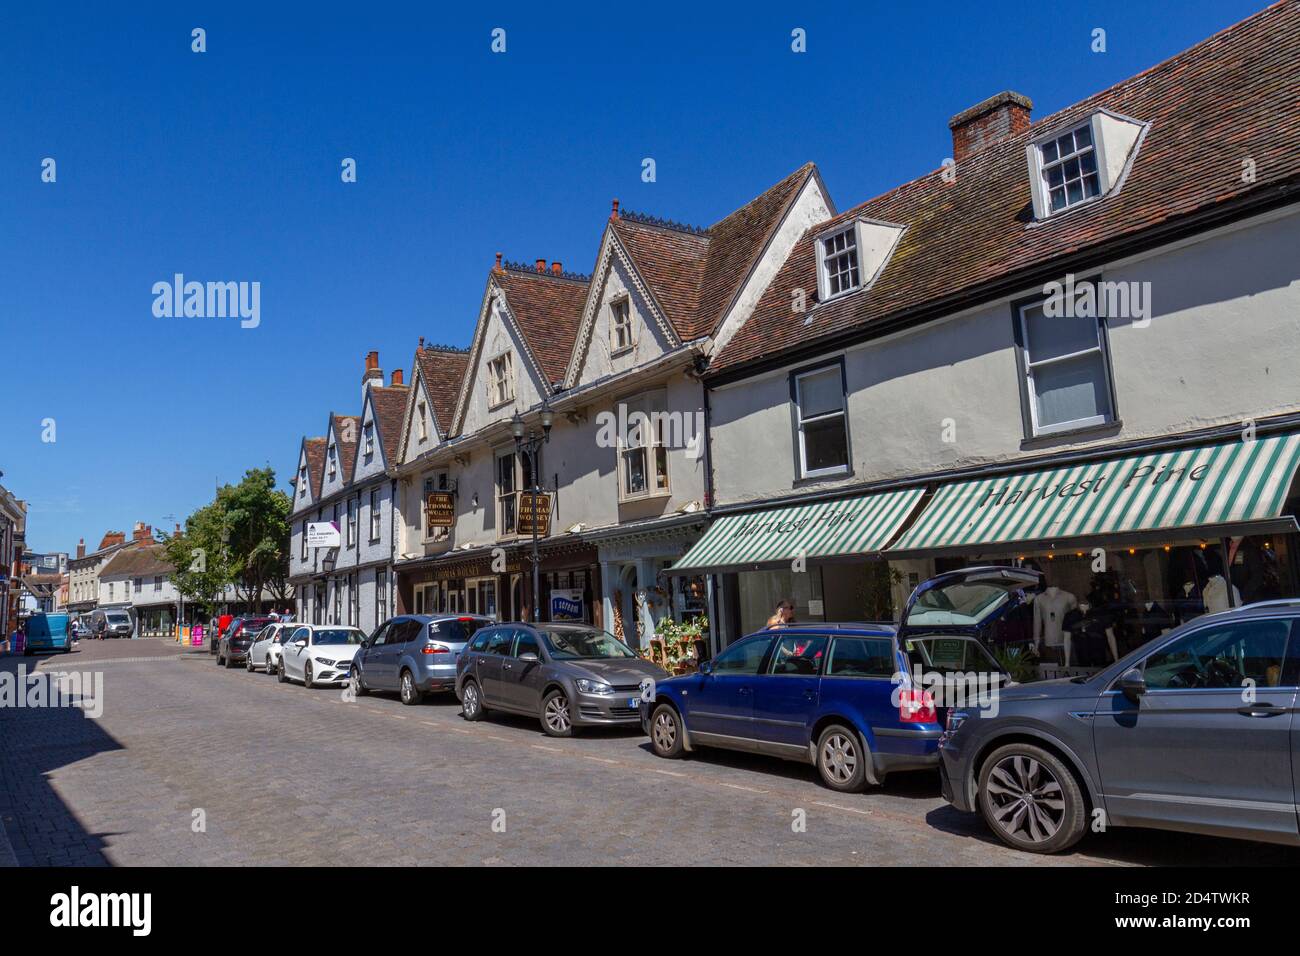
[525, 522]
[439, 509]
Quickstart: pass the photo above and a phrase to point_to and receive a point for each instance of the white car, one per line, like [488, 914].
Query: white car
[264, 653]
[317, 654]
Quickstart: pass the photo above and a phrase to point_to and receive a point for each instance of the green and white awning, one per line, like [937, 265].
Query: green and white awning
[818, 530]
[1225, 489]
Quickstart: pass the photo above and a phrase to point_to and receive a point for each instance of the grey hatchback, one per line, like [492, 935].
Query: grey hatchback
[1195, 731]
[414, 654]
[567, 675]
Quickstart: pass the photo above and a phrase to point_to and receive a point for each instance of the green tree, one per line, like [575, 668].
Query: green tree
[257, 536]
[200, 569]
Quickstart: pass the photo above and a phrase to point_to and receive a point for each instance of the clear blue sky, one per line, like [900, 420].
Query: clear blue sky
[225, 166]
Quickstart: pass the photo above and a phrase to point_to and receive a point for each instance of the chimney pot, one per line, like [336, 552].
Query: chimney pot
[973, 129]
[397, 376]
[498, 262]
[557, 269]
[541, 265]
[614, 214]
[421, 341]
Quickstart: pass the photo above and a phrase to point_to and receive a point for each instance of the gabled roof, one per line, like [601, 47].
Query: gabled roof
[671, 261]
[389, 403]
[347, 450]
[547, 308]
[1230, 97]
[442, 368]
[137, 561]
[315, 449]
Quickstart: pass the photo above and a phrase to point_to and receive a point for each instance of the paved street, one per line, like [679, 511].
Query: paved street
[290, 776]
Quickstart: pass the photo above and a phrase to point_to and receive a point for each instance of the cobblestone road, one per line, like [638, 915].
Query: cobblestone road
[285, 775]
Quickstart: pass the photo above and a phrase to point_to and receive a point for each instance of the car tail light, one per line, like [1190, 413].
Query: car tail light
[916, 706]
[435, 649]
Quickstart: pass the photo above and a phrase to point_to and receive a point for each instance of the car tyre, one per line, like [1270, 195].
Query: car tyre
[306, 676]
[280, 674]
[249, 663]
[359, 687]
[842, 759]
[557, 714]
[666, 732]
[220, 662]
[1031, 800]
[411, 695]
[471, 701]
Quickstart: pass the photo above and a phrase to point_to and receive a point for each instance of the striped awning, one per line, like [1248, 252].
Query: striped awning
[818, 530]
[1224, 489]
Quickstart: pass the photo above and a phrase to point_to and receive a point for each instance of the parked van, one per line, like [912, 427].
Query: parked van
[110, 622]
[47, 632]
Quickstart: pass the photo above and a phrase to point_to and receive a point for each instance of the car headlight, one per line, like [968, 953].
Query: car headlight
[594, 687]
[324, 661]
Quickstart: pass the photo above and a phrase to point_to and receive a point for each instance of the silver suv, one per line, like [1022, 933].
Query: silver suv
[414, 654]
[1191, 732]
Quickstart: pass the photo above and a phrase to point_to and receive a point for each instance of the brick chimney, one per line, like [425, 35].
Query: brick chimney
[998, 116]
[397, 377]
[373, 373]
[614, 212]
[111, 538]
[141, 533]
[81, 548]
[541, 265]
[557, 269]
[498, 266]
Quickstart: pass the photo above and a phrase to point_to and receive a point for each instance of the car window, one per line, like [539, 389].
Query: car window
[526, 643]
[1223, 656]
[798, 654]
[302, 634]
[949, 655]
[861, 657]
[381, 636]
[336, 636]
[582, 643]
[499, 642]
[456, 631]
[480, 641]
[743, 657]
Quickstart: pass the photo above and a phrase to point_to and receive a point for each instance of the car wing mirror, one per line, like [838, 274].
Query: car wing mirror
[528, 657]
[299, 643]
[1132, 684]
[706, 667]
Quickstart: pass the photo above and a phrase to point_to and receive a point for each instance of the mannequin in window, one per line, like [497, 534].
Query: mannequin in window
[1051, 640]
[1215, 594]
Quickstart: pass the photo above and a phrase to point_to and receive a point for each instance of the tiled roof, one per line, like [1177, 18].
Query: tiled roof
[548, 308]
[390, 405]
[137, 562]
[347, 449]
[672, 263]
[442, 369]
[1228, 98]
[315, 463]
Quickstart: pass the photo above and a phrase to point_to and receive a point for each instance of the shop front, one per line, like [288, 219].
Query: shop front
[821, 558]
[1131, 546]
[497, 582]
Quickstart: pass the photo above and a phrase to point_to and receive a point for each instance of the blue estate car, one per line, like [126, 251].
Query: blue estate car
[842, 696]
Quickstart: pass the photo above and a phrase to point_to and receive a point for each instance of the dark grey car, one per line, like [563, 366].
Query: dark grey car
[566, 675]
[1192, 732]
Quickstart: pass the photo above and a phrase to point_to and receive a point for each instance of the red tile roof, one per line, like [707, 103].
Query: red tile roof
[390, 406]
[1230, 97]
[671, 261]
[442, 370]
[548, 308]
[347, 450]
[315, 463]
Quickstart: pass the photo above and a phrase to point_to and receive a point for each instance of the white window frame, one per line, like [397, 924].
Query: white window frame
[423, 412]
[620, 320]
[511, 496]
[824, 292]
[800, 421]
[381, 595]
[501, 379]
[333, 460]
[352, 507]
[1042, 166]
[1028, 366]
[368, 430]
[652, 404]
[376, 516]
[302, 482]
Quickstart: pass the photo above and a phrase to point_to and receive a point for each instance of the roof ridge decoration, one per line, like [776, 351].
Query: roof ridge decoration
[456, 349]
[531, 270]
[646, 219]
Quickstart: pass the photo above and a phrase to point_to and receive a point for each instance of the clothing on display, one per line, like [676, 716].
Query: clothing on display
[1050, 609]
[1215, 595]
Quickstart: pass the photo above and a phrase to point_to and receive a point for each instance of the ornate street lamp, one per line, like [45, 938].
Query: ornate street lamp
[527, 441]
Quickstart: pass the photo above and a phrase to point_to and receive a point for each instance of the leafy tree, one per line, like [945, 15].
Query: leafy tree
[199, 567]
[257, 536]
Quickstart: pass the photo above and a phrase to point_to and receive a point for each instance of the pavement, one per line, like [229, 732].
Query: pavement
[191, 764]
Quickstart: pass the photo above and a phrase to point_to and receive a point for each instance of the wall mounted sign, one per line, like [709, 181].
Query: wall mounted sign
[323, 534]
[439, 509]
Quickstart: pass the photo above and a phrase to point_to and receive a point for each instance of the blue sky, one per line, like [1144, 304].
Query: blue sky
[225, 166]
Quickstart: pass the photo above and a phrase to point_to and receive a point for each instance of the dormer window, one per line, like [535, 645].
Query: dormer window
[620, 325]
[334, 461]
[850, 257]
[302, 482]
[369, 439]
[1074, 166]
[501, 380]
[424, 422]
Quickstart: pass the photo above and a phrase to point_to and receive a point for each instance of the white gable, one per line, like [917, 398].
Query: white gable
[498, 336]
[335, 480]
[370, 449]
[302, 496]
[419, 429]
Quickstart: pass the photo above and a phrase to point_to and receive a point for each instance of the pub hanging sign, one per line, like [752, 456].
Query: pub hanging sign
[524, 522]
[439, 510]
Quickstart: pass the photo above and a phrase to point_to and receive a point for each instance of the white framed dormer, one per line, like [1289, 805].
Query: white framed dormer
[501, 379]
[1075, 165]
[368, 441]
[422, 420]
[302, 481]
[332, 461]
[622, 331]
[851, 255]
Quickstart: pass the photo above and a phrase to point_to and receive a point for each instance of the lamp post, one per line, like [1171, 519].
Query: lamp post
[527, 441]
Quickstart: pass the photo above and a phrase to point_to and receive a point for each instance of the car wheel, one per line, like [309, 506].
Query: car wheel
[359, 687]
[249, 664]
[1030, 799]
[220, 662]
[410, 693]
[230, 662]
[842, 759]
[666, 731]
[557, 720]
[306, 676]
[280, 674]
[471, 703]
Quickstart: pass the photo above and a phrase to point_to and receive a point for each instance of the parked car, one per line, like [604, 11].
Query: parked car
[264, 652]
[110, 622]
[414, 654]
[318, 654]
[843, 697]
[223, 624]
[233, 647]
[566, 675]
[1190, 732]
[47, 632]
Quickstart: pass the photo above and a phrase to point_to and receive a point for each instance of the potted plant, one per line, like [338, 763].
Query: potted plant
[673, 646]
